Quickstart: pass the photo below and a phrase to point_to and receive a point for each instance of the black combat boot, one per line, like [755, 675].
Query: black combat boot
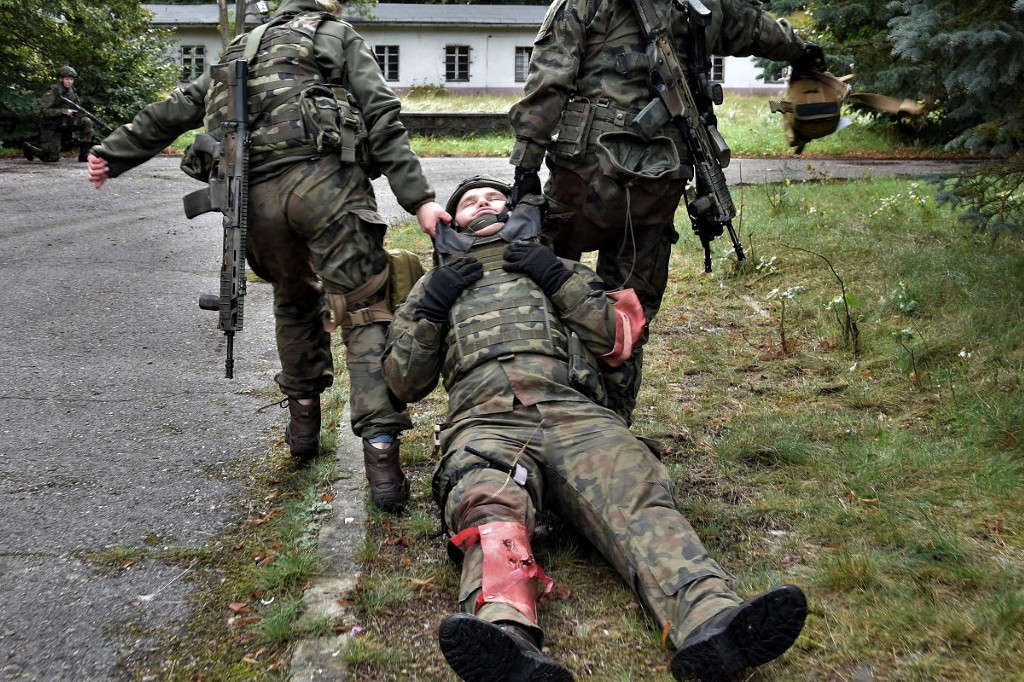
[481, 651]
[83, 152]
[389, 488]
[741, 637]
[30, 152]
[303, 431]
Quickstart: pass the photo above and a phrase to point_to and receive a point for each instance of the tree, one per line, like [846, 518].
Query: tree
[120, 58]
[965, 60]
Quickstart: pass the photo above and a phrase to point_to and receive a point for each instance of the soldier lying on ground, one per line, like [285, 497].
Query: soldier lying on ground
[519, 338]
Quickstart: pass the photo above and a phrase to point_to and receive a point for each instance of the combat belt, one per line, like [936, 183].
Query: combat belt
[584, 120]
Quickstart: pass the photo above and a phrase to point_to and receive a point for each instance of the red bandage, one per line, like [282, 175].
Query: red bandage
[629, 326]
[510, 573]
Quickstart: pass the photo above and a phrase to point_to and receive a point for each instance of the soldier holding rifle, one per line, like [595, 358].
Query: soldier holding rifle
[60, 111]
[322, 122]
[619, 166]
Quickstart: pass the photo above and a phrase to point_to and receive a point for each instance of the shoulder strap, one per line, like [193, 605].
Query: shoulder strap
[252, 41]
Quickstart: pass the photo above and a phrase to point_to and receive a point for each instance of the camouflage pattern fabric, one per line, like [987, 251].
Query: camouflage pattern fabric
[592, 52]
[580, 459]
[319, 217]
[53, 121]
[313, 221]
[585, 466]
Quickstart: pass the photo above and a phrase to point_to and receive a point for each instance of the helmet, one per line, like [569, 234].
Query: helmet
[812, 107]
[67, 72]
[472, 183]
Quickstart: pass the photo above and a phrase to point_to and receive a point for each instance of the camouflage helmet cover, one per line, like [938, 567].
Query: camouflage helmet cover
[472, 183]
[67, 72]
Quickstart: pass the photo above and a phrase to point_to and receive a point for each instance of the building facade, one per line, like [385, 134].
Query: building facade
[469, 49]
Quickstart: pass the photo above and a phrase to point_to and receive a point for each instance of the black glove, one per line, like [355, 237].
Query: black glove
[526, 181]
[539, 262]
[811, 61]
[445, 285]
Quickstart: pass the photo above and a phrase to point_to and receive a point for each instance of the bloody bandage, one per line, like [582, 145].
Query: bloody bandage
[629, 326]
[510, 573]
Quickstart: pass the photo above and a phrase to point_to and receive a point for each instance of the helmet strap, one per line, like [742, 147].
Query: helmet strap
[486, 220]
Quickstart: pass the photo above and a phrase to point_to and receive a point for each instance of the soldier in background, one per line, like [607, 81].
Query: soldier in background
[589, 75]
[56, 118]
[314, 232]
[520, 339]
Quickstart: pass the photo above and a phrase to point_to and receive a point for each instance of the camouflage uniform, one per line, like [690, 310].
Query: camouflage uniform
[54, 121]
[516, 397]
[588, 76]
[313, 221]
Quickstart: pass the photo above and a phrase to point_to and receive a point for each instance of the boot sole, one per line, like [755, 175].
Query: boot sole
[478, 651]
[762, 631]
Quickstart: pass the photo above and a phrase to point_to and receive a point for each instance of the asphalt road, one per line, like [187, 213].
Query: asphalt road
[119, 430]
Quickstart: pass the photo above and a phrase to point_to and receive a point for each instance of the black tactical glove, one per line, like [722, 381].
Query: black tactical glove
[445, 285]
[526, 181]
[539, 263]
[811, 61]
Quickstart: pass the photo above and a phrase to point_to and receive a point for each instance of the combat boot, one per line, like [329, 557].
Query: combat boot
[743, 636]
[389, 488]
[83, 152]
[303, 431]
[30, 152]
[481, 651]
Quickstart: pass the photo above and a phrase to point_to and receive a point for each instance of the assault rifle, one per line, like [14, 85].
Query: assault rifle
[228, 193]
[81, 110]
[690, 103]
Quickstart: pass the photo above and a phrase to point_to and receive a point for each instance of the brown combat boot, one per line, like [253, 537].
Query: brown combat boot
[742, 636]
[481, 651]
[389, 489]
[303, 431]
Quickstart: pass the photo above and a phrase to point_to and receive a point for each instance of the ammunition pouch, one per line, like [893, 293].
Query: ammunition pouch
[584, 375]
[331, 121]
[632, 181]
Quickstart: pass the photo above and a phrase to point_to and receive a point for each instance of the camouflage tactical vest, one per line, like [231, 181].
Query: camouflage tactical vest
[284, 68]
[507, 314]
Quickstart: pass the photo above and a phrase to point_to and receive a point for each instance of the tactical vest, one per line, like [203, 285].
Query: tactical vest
[507, 314]
[284, 69]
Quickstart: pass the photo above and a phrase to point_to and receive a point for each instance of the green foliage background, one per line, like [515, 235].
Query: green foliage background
[120, 58]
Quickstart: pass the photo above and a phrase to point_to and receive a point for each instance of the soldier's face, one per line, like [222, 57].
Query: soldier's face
[68, 81]
[480, 201]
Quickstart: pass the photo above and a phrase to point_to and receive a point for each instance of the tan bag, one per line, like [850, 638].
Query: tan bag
[406, 270]
[813, 105]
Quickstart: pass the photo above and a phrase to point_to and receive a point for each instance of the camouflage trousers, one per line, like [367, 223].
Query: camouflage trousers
[633, 254]
[315, 229]
[50, 137]
[583, 464]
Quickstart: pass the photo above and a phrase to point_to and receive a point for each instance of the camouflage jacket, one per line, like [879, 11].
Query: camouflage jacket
[53, 112]
[337, 47]
[575, 51]
[416, 352]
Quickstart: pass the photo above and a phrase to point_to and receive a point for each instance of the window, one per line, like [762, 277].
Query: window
[717, 69]
[387, 57]
[522, 63]
[456, 63]
[193, 61]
